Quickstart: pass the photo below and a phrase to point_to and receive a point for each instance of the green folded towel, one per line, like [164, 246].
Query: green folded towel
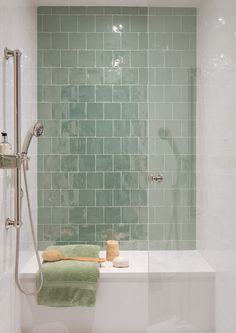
[67, 282]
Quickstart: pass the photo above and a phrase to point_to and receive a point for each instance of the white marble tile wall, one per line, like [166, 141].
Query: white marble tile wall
[216, 152]
[17, 30]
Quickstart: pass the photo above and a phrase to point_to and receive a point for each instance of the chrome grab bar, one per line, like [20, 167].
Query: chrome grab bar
[16, 55]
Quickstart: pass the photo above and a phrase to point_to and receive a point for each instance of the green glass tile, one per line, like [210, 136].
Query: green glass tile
[77, 145]
[188, 59]
[156, 94]
[52, 233]
[95, 41]
[172, 231]
[44, 180]
[40, 233]
[87, 163]
[94, 110]
[130, 180]
[69, 162]
[138, 93]
[121, 197]
[86, 93]
[130, 215]
[103, 93]
[44, 146]
[156, 58]
[40, 23]
[156, 24]
[130, 10]
[77, 10]
[112, 146]
[69, 198]
[69, 233]
[86, 197]
[69, 128]
[52, 163]
[112, 75]
[112, 10]
[122, 162]
[51, 58]
[121, 232]
[138, 197]
[94, 76]
[44, 10]
[69, 93]
[103, 128]
[60, 41]
[94, 180]
[173, 94]
[95, 10]
[172, 23]
[51, 23]
[68, 58]
[181, 41]
[60, 215]
[129, 110]
[139, 162]
[112, 111]
[86, 23]
[86, 128]
[139, 128]
[139, 231]
[44, 40]
[77, 180]
[94, 215]
[138, 23]
[60, 146]
[172, 58]
[130, 41]
[121, 93]
[112, 41]
[163, 76]
[139, 58]
[112, 180]
[104, 232]
[59, 180]
[189, 231]
[51, 198]
[104, 23]
[60, 76]
[52, 93]
[189, 24]
[77, 76]
[103, 163]
[112, 215]
[143, 41]
[44, 215]
[120, 59]
[44, 111]
[129, 76]
[130, 145]
[69, 23]
[103, 58]
[77, 111]
[87, 233]
[103, 198]
[86, 58]
[77, 40]
[156, 232]
[60, 10]
[94, 145]
[121, 23]
[121, 128]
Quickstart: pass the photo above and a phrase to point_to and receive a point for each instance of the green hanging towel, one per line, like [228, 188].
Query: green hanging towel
[70, 283]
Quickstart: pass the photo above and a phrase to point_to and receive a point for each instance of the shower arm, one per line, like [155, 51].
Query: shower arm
[16, 55]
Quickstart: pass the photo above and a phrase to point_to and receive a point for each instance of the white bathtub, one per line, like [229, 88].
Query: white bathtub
[161, 292]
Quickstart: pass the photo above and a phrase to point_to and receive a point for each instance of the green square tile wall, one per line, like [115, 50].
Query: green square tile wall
[116, 94]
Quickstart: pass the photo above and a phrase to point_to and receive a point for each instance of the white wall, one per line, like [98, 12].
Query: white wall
[17, 30]
[216, 152]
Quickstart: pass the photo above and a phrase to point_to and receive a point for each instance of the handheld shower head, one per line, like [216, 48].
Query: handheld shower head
[35, 130]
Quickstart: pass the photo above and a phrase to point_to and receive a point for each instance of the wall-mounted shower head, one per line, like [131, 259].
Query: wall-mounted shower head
[35, 130]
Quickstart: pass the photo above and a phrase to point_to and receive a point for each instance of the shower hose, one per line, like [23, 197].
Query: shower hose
[37, 289]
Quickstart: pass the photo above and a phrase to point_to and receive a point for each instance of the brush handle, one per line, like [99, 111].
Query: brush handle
[90, 259]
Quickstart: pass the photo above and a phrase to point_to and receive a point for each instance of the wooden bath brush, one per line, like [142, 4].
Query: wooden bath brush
[57, 256]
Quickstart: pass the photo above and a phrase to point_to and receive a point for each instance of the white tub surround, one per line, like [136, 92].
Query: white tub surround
[156, 290]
